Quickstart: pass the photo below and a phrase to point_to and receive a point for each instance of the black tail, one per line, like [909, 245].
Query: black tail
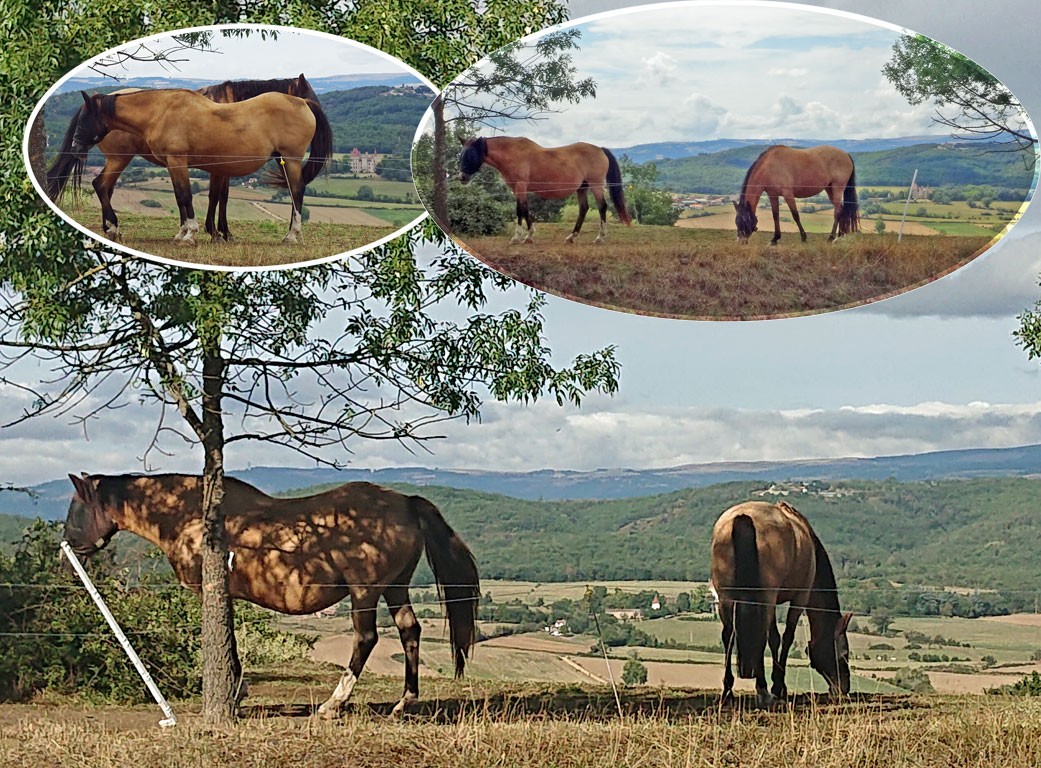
[69, 163]
[749, 616]
[321, 150]
[614, 184]
[455, 572]
[849, 219]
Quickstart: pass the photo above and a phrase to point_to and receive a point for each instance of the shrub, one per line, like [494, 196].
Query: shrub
[634, 673]
[150, 203]
[914, 680]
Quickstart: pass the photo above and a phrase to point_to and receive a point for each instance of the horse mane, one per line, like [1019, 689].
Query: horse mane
[744, 185]
[107, 104]
[110, 483]
[247, 89]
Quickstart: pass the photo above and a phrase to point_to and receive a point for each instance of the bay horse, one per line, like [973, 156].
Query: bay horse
[791, 173]
[298, 555]
[551, 173]
[119, 149]
[183, 129]
[764, 554]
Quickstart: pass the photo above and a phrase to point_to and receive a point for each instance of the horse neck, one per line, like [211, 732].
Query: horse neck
[154, 507]
[134, 112]
[824, 611]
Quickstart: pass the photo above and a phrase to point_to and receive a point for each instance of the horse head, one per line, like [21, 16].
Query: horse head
[88, 525]
[471, 158]
[91, 127]
[829, 655]
[746, 221]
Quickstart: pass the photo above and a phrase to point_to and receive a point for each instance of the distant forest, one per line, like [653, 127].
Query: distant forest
[938, 165]
[978, 534]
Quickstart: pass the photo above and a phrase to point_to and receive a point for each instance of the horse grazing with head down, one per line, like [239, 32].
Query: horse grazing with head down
[119, 149]
[184, 129]
[782, 171]
[298, 555]
[551, 173]
[762, 555]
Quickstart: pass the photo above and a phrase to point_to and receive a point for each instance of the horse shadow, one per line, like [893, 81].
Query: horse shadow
[571, 704]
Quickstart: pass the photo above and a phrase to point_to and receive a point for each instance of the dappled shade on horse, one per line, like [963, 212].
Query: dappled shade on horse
[184, 129]
[298, 555]
[791, 173]
[120, 148]
[764, 554]
[549, 172]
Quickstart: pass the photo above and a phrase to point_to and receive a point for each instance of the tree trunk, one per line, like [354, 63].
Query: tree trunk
[440, 201]
[219, 660]
[37, 147]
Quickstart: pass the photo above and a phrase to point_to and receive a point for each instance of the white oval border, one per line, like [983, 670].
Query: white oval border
[986, 250]
[214, 267]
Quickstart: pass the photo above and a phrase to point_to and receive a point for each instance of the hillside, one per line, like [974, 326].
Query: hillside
[937, 164]
[969, 533]
[641, 153]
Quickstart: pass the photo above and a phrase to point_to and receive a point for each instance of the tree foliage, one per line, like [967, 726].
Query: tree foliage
[969, 100]
[648, 203]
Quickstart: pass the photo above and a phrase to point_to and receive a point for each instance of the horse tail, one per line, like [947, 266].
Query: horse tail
[321, 143]
[69, 163]
[614, 184]
[455, 572]
[849, 219]
[749, 615]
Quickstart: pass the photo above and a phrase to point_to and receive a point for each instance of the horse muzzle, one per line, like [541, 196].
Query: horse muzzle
[464, 177]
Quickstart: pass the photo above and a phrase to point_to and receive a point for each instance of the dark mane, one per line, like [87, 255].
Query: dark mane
[107, 105]
[473, 156]
[752, 167]
[247, 89]
[825, 590]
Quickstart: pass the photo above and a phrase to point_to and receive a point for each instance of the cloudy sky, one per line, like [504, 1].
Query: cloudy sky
[936, 368]
[707, 71]
[254, 56]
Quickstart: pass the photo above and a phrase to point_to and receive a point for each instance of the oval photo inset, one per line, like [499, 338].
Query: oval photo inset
[725, 160]
[237, 146]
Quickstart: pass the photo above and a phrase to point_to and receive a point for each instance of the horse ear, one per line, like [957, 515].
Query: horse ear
[463, 141]
[840, 628]
[736, 206]
[86, 100]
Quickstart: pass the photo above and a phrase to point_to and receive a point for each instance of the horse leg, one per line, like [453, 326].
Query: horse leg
[835, 196]
[363, 612]
[295, 180]
[763, 697]
[780, 688]
[790, 199]
[601, 205]
[728, 646]
[104, 183]
[218, 199]
[240, 679]
[776, 208]
[183, 193]
[409, 630]
[583, 206]
[777, 677]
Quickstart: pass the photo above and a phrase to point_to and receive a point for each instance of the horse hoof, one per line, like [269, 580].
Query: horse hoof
[403, 706]
[328, 713]
[189, 241]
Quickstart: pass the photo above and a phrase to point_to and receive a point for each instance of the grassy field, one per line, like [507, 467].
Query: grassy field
[706, 274]
[148, 220]
[463, 724]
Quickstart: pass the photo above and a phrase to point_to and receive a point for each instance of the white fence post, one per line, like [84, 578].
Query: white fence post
[907, 202]
[131, 653]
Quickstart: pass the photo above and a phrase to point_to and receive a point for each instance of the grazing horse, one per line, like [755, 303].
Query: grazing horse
[782, 171]
[184, 129]
[762, 555]
[120, 148]
[298, 556]
[551, 173]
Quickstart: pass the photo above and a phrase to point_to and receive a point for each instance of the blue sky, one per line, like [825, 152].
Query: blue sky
[936, 368]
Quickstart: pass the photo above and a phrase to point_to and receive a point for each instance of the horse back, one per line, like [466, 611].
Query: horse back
[785, 546]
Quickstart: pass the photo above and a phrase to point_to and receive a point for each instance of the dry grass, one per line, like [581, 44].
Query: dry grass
[706, 274]
[527, 726]
[256, 243]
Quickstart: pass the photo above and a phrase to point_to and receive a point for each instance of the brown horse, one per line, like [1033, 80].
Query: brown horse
[551, 173]
[299, 555]
[184, 129]
[119, 149]
[762, 555]
[782, 171]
